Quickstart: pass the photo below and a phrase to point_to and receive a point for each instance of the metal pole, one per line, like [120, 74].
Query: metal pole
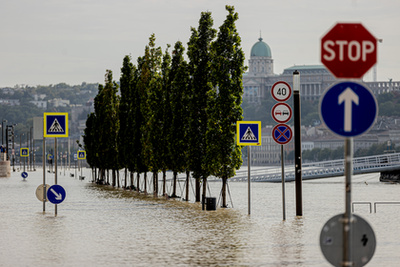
[248, 177]
[297, 143]
[347, 219]
[55, 170]
[13, 149]
[283, 183]
[44, 174]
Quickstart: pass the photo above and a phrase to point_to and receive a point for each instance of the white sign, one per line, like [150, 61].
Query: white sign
[281, 112]
[281, 91]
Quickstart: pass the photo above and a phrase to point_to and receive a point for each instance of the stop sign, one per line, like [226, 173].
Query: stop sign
[348, 50]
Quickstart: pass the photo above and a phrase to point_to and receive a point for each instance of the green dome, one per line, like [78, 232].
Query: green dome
[260, 49]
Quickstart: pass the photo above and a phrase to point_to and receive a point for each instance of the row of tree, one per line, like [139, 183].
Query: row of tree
[173, 114]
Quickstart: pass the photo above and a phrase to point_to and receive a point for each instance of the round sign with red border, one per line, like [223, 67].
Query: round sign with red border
[281, 91]
[281, 112]
[282, 134]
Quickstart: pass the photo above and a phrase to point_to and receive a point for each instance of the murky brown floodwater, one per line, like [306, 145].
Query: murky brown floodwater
[101, 226]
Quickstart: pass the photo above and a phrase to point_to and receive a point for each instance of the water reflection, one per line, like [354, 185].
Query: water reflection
[103, 226]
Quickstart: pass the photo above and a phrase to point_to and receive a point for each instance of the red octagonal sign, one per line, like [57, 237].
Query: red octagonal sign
[348, 50]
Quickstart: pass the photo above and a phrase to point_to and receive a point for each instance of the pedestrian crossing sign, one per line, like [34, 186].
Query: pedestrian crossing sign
[24, 152]
[81, 154]
[248, 133]
[55, 124]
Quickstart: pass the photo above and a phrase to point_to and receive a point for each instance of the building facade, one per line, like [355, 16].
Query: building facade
[314, 80]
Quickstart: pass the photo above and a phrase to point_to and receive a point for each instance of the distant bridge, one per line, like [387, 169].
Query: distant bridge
[323, 169]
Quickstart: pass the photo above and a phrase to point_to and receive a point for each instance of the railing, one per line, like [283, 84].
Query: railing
[331, 168]
[375, 204]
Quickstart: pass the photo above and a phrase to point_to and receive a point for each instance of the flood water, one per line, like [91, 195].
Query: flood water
[102, 226]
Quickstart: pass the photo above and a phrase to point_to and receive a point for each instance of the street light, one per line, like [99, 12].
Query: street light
[2, 131]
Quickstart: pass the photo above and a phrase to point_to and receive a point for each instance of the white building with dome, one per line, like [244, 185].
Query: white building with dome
[314, 79]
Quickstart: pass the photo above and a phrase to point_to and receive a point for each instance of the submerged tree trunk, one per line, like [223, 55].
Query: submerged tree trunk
[137, 182]
[164, 181]
[145, 183]
[174, 185]
[126, 178]
[197, 181]
[114, 178]
[155, 184]
[203, 195]
[224, 182]
[187, 185]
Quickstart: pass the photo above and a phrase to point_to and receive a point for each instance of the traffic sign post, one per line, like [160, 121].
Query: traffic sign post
[24, 175]
[282, 134]
[56, 194]
[363, 241]
[248, 134]
[55, 125]
[348, 109]
[81, 154]
[281, 91]
[24, 153]
[281, 113]
[348, 50]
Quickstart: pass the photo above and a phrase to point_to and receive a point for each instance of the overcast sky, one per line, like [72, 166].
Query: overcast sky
[46, 42]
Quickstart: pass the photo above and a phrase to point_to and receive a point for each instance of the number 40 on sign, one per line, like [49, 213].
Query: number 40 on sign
[281, 91]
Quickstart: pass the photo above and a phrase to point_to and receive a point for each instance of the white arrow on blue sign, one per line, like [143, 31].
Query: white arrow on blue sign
[56, 194]
[348, 108]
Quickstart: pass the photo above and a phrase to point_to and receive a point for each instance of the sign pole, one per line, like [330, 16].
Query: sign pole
[283, 183]
[297, 143]
[44, 174]
[347, 220]
[248, 176]
[55, 170]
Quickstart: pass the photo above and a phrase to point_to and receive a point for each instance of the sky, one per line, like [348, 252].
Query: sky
[45, 42]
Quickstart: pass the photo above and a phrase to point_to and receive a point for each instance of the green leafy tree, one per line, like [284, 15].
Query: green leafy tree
[200, 58]
[149, 87]
[224, 110]
[125, 142]
[177, 136]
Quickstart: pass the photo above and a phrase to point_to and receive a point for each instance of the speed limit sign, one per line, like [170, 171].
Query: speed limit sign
[281, 91]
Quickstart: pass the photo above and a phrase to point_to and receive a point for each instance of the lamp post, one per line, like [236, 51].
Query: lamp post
[20, 145]
[297, 142]
[2, 131]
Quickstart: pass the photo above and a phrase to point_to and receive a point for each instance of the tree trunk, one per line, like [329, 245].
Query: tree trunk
[204, 194]
[155, 184]
[114, 178]
[197, 180]
[174, 185]
[137, 182]
[126, 178]
[187, 185]
[164, 181]
[145, 183]
[118, 182]
[224, 182]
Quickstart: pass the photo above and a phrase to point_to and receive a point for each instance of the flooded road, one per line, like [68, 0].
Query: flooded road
[102, 226]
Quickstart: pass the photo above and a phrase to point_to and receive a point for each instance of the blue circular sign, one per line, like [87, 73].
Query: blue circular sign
[348, 108]
[24, 175]
[56, 194]
[282, 134]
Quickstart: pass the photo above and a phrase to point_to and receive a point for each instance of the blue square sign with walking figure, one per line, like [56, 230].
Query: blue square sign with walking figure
[248, 133]
[55, 124]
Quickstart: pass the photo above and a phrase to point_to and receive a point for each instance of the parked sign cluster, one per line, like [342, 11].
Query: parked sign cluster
[348, 109]
[281, 113]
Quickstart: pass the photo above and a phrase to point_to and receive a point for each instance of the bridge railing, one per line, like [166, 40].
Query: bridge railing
[334, 168]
